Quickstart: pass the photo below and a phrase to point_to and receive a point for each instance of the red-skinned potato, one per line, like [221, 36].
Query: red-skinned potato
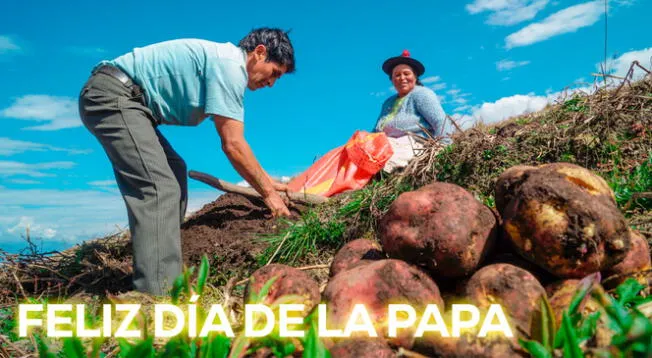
[356, 252]
[376, 285]
[440, 227]
[288, 281]
[515, 289]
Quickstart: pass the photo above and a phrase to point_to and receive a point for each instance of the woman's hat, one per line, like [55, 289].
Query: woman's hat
[405, 58]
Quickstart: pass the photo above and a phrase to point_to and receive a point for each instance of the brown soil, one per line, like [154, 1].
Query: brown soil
[227, 231]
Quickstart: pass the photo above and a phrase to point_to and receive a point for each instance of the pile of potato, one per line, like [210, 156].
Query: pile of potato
[554, 223]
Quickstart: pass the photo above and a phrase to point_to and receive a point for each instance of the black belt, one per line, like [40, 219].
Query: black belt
[116, 73]
[124, 78]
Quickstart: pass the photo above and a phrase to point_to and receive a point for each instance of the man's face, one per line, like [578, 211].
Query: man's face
[263, 73]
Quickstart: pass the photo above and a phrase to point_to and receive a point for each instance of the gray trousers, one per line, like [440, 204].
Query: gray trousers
[150, 174]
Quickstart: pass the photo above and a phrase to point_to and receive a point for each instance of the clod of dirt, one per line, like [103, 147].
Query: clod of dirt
[226, 231]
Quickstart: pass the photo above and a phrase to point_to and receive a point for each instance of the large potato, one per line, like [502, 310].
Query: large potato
[507, 184]
[376, 285]
[563, 218]
[356, 252]
[515, 289]
[440, 227]
[288, 281]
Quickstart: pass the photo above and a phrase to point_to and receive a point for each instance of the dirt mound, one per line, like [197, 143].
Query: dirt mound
[226, 230]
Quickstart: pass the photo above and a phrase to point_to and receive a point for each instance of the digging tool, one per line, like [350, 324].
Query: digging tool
[301, 198]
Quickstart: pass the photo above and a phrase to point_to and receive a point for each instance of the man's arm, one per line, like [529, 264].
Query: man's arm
[243, 160]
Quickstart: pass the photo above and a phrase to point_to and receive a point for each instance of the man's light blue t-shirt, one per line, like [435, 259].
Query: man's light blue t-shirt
[188, 80]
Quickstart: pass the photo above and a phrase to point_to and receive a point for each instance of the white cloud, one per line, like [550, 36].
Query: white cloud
[438, 86]
[507, 12]
[69, 215]
[620, 66]
[462, 108]
[56, 112]
[9, 168]
[24, 181]
[102, 183]
[10, 146]
[506, 65]
[564, 21]
[8, 45]
[431, 79]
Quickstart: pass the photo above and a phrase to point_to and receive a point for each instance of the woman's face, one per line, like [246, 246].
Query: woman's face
[403, 79]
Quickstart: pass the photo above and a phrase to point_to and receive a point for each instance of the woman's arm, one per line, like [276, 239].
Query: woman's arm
[429, 107]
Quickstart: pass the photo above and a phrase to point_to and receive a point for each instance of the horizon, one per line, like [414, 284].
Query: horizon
[486, 59]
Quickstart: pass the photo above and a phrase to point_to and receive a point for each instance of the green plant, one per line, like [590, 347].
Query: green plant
[576, 104]
[626, 186]
[633, 330]
[302, 237]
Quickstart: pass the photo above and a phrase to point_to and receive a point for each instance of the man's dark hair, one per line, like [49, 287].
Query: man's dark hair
[277, 42]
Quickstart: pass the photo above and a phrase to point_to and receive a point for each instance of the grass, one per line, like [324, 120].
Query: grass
[628, 186]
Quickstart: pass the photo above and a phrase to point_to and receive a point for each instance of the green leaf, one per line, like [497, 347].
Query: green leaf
[177, 287]
[97, 346]
[42, 348]
[313, 347]
[536, 349]
[144, 349]
[186, 280]
[125, 347]
[259, 297]
[571, 343]
[628, 291]
[202, 275]
[543, 325]
[174, 348]
[576, 305]
[217, 347]
[73, 348]
[588, 326]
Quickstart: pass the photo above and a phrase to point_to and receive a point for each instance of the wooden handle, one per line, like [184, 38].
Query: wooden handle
[251, 192]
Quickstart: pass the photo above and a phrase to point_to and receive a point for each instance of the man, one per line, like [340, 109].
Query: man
[179, 82]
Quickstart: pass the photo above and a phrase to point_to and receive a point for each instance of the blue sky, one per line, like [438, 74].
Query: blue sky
[486, 59]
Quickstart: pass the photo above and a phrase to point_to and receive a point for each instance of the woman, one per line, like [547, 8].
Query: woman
[413, 111]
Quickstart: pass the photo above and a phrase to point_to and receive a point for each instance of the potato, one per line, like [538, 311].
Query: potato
[636, 260]
[517, 290]
[563, 218]
[376, 285]
[289, 281]
[507, 183]
[560, 295]
[362, 348]
[355, 252]
[440, 227]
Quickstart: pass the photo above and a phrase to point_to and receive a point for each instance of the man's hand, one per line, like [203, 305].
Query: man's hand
[275, 203]
[240, 155]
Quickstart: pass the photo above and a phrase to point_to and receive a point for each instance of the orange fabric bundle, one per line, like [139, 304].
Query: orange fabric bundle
[348, 167]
